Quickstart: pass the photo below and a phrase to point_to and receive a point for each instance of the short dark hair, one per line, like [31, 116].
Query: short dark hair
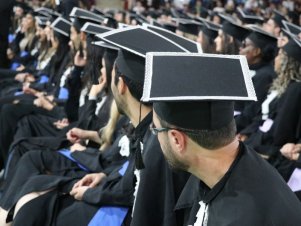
[135, 88]
[209, 139]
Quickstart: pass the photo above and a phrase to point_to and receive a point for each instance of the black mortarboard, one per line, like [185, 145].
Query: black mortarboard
[293, 49]
[97, 11]
[109, 21]
[131, 57]
[42, 21]
[292, 28]
[288, 34]
[94, 29]
[170, 26]
[61, 26]
[81, 16]
[139, 40]
[196, 91]
[235, 30]
[191, 46]
[46, 12]
[189, 26]
[278, 18]
[249, 19]
[106, 45]
[210, 29]
[261, 38]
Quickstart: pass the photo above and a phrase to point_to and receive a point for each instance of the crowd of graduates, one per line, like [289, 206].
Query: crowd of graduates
[76, 138]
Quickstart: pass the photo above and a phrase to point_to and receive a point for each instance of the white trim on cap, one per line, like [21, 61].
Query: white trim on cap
[105, 45]
[95, 17]
[88, 24]
[245, 16]
[288, 24]
[149, 73]
[57, 20]
[104, 35]
[198, 46]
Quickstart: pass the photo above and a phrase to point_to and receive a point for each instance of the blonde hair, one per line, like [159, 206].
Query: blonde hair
[106, 133]
[290, 69]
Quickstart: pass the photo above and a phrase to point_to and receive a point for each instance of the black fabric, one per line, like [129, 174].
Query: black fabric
[190, 46]
[251, 184]
[262, 80]
[293, 49]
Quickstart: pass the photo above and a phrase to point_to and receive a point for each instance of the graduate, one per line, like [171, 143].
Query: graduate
[230, 183]
[260, 49]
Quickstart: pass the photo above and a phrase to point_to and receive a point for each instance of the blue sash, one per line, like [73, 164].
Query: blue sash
[111, 215]
[67, 154]
[64, 93]
[43, 79]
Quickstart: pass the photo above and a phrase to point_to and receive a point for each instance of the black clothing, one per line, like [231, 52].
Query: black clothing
[262, 80]
[250, 193]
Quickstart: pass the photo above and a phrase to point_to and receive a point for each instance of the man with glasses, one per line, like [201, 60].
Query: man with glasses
[193, 119]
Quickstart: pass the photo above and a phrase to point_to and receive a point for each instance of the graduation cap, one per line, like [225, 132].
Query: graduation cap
[196, 91]
[42, 21]
[189, 26]
[97, 11]
[210, 29]
[191, 46]
[131, 57]
[249, 19]
[261, 38]
[292, 28]
[293, 49]
[46, 12]
[106, 45]
[109, 21]
[81, 16]
[139, 40]
[278, 18]
[94, 29]
[61, 26]
[170, 26]
[237, 31]
[288, 34]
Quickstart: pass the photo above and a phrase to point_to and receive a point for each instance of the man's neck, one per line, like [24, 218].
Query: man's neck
[211, 165]
[137, 113]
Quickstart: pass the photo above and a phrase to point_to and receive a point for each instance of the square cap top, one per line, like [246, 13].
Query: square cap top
[196, 91]
[139, 40]
[61, 26]
[191, 46]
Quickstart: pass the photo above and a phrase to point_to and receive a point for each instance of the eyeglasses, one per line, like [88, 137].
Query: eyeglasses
[155, 130]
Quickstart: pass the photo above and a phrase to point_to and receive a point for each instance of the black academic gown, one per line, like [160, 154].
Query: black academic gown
[250, 193]
[159, 189]
[262, 80]
[285, 112]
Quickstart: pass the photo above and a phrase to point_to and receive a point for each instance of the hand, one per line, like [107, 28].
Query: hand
[76, 134]
[10, 54]
[80, 61]
[27, 90]
[60, 124]
[96, 89]
[42, 102]
[20, 68]
[90, 180]
[78, 192]
[20, 77]
[291, 151]
[77, 147]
